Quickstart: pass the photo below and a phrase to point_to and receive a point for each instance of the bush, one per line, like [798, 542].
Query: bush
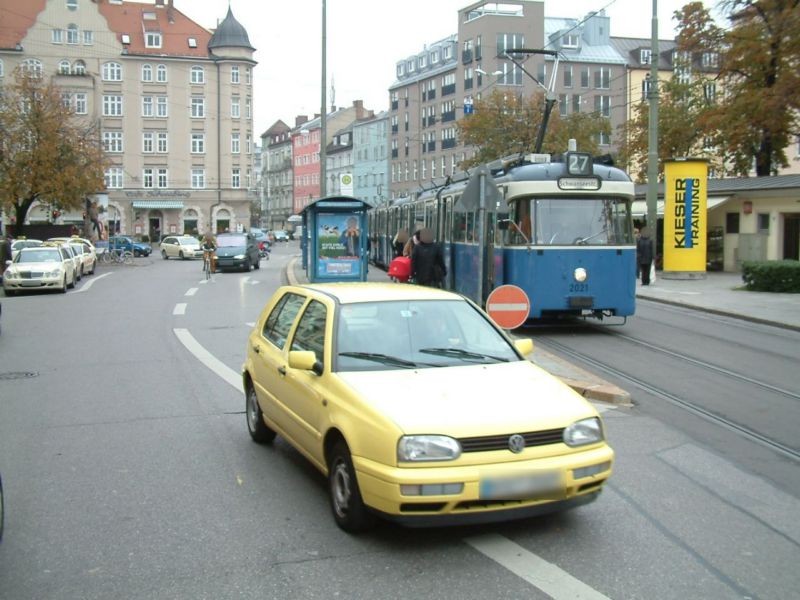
[772, 276]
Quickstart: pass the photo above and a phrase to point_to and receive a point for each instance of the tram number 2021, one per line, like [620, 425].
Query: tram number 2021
[579, 287]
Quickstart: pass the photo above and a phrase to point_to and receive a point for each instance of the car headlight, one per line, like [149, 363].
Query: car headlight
[239, 256]
[419, 448]
[11, 274]
[54, 273]
[581, 433]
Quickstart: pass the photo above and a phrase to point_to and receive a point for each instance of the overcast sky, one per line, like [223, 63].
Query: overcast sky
[366, 38]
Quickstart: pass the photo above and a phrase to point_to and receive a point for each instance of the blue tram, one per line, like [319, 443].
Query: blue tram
[560, 229]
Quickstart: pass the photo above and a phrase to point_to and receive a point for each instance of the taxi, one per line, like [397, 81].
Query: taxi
[73, 254]
[21, 243]
[84, 249]
[418, 408]
[40, 268]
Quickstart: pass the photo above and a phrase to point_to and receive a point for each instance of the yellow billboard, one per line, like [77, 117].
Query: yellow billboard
[685, 213]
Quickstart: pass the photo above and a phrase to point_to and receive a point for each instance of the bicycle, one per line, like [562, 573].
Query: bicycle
[117, 255]
[208, 256]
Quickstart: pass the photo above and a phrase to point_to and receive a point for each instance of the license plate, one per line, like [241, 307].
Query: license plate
[30, 283]
[521, 486]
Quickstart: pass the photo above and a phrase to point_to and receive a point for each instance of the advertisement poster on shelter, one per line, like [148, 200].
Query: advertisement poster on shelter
[338, 245]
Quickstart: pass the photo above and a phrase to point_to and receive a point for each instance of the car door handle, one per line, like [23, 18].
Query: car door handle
[282, 370]
[257, 349]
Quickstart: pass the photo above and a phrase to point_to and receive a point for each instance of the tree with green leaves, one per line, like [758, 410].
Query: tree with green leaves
[47, 153]
[505, 123]
[758, 112]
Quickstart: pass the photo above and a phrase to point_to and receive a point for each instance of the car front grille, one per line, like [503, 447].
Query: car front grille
[500, 442]
[31, 274]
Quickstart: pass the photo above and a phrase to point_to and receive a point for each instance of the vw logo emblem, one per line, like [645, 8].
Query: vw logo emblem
[516, 443]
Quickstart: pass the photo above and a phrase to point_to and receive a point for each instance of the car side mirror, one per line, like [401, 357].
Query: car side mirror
[305, 360]
[524, 346]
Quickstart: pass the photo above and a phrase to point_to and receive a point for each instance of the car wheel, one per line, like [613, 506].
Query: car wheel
[164, 255]
[94, 266]
[349, 510]
[181, 256]
[255, 419]
[10, 292]
[71, 285]
[136, 253]
[64, 285]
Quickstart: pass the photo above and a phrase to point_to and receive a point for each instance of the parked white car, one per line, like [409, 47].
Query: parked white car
[43, 267]
[84, 249]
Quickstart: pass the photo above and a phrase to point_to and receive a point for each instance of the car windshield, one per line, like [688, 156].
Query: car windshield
[231, 241]
[187, 241]
[416, 334]
[39, 255]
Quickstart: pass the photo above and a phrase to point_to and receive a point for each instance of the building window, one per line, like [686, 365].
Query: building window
[162, 180]
[602, 78]
[147, 142]
[710, 60]
[235, 107]
[152, 39]
[112, 106]
[57, 36]
[198, 143]
[64, 67]
[235, 143]
[88, 37]
[248, 104]
[585, 77]
[646, 88]
[248, 144]
[147, 178]
[602, 104]
[81, 104]
[563, 104]
[198, 179]
[112, 141]
[79, 67]
[710, 92]
[234, 74]
[732, 222]
[644, 56]
[112, 71]
[162, 146]
[571, 40]
[72, 4]
[763, 223]
[161, 73]
[147, 106]
[568, 76]
[161, 106]
[113, 178]
[198, 108]
[147, 73]
[72, 33]
[236, 178]
[248, 75]
[198, 75]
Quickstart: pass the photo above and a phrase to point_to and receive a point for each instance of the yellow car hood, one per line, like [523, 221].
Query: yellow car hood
[470, 400]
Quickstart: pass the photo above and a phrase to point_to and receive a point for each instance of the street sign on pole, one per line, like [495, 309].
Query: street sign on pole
[508, 306]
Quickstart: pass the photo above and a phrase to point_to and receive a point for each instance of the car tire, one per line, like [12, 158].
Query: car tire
[164, 255]
[10, 292]
[259, 431]
[71, 285]
[349, 510]
[181, 256]
[63, 289]
[137, 253]
[94, 267]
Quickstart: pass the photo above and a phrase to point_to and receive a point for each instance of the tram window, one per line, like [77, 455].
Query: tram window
[459, 227]
[589, 221]
[519, 233]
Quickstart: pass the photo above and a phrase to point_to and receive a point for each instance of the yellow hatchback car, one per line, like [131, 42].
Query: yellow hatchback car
[418, 408]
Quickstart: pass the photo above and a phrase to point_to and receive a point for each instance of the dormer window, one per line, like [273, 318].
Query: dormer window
[126, 39]
[645, 55]
[423, 61]
[192, 42]
[152, 39]
[570, 41]
[72, 4]
[149, 16]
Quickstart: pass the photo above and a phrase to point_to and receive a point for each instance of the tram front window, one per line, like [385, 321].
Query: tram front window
[572, 221]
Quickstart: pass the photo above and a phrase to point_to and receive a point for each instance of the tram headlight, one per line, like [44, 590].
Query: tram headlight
[580, 275]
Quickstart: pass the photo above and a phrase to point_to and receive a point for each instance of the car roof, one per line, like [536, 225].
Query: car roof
[352, 292]
[38, 248]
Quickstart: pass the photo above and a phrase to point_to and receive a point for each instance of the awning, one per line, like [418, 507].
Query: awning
[158, 204]
[713, 203]
[639, 208]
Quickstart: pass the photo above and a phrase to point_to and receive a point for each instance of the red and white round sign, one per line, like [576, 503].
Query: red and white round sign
[508, 306]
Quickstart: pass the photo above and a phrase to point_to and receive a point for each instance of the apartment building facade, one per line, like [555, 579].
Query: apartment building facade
[174, 103]
[371, 166]
[277, 180]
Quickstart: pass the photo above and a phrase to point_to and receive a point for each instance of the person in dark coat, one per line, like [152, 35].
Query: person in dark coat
[427, 261]
[645, 252]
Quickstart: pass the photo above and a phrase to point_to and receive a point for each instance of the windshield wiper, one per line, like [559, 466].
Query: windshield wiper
[586, 239]
[381, 358]
[463, 354]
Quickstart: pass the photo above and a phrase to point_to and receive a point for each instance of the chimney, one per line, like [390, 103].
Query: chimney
[359, 106]
[299, 120]
[160, 3]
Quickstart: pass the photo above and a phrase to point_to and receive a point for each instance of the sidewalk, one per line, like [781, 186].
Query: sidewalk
[718, 293]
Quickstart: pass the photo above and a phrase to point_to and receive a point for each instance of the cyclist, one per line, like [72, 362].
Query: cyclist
[209, 246]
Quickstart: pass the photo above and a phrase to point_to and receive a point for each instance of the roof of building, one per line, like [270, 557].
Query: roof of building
[556, 27]
[629, 49]
[738, 184]
[230, 34]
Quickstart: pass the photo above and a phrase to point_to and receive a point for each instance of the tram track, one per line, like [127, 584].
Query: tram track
[692, 407]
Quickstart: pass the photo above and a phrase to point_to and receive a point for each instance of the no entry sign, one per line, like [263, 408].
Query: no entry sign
[508, 306]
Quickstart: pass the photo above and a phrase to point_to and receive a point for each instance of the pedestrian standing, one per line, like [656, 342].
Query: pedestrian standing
[427, 261]
[399, 242]
[636, 236]
[645, 252]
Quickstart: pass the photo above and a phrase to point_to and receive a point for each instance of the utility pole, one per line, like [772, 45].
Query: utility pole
[652, 137]
[323, 113]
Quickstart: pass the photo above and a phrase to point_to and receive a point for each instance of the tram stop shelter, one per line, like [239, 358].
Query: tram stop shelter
[335, 238]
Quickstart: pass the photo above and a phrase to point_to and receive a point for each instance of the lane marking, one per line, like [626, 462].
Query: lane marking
[191, 291]
[180, 309]
[209, 360]
[538, 572]
[85, 287]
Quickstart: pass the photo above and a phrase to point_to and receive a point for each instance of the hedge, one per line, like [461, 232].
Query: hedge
[772, 276]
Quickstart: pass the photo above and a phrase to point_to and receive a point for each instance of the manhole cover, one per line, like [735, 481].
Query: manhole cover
[18, 375]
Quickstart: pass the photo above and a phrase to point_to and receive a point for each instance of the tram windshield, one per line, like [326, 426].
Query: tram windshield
[569, 221]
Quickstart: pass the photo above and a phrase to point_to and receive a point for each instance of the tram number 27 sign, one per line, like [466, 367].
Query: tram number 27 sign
[508, 306]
